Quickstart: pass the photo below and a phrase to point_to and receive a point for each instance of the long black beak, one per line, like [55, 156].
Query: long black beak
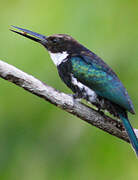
[32, 35]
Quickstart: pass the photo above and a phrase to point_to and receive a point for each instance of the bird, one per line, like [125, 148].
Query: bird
[88, 76]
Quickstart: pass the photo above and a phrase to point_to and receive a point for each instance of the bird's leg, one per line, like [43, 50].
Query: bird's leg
[104, 104]
[100, 104]
[76, 96]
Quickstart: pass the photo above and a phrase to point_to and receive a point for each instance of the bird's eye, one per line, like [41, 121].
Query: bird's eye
[54, 40]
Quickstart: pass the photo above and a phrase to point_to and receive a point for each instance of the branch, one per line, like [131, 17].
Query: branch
[62, 100]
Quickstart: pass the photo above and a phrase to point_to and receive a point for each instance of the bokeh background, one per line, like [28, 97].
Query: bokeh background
[39, 141]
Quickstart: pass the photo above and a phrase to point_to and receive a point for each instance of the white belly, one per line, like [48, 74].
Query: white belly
[88, 93]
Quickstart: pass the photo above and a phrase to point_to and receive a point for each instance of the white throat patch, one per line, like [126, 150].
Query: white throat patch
[57, 58]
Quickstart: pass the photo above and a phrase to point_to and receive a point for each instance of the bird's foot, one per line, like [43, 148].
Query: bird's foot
[75, 97]
[104, 104]
[100, 104]
[99, 110]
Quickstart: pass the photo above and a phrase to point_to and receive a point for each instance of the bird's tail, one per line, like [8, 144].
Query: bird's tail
[132, 136]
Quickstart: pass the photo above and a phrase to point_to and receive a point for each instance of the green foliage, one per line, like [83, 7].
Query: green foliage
[39, 141]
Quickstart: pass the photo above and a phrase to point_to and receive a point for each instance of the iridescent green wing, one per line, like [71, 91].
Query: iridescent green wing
[98, 76]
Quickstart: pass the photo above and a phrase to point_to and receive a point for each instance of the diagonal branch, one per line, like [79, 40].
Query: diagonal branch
[62, 100]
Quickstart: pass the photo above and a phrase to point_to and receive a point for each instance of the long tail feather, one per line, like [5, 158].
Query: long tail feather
[132, 136]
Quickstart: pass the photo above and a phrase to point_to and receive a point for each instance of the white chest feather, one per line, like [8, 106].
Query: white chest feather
[57, 58]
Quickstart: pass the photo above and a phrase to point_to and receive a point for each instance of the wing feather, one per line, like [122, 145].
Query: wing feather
[98, 76]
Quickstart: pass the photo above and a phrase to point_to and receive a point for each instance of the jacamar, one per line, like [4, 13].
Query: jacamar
[88, 76]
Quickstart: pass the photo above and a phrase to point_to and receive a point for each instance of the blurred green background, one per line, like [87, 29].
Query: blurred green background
[39, 141]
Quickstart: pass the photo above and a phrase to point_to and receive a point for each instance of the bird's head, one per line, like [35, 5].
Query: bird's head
[59, 46]
[55, 43]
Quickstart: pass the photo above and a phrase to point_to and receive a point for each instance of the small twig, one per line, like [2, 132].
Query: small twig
[62, 100]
